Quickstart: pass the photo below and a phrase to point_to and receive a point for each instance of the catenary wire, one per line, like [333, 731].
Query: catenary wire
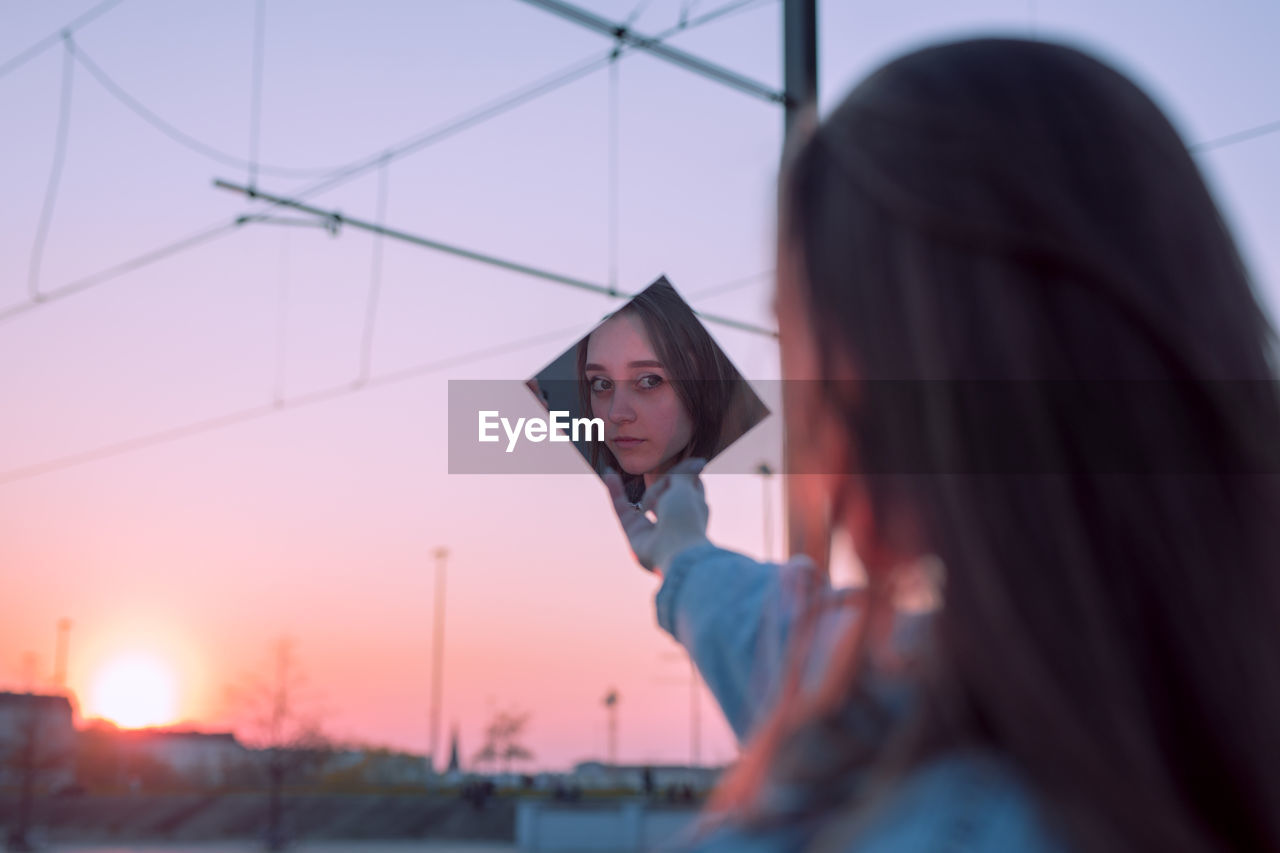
[338, 219]
[55, 174]
[50, 40]
[88, 282]
[1235, 138]
[375, 282]
[509, 102]
[186, 140]
[252, 413]
[346, 173]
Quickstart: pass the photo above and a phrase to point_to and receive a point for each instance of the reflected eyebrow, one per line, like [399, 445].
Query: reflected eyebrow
[643, 363]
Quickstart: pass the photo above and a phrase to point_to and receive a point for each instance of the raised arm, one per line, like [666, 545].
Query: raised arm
[734, 616]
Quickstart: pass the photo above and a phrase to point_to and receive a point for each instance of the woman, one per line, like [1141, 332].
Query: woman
[662, 386]
[1103, 671]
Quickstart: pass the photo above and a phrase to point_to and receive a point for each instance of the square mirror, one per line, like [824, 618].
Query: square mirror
[648, 387]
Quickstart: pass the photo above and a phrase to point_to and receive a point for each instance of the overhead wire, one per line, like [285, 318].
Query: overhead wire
[338, 219]
[613, 143]
[716, 14]
[375, 283]
[1235, 138]
[637, 12]
[184, 139]
[15, 62]
[252, 413]
[88, 282]
[343, 174]
[55, 173]
[508, 102]
[281, 403]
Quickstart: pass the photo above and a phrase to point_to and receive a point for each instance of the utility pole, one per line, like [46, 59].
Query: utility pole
[800, 86]
[437, 665]
[611, 707]
[799, 58]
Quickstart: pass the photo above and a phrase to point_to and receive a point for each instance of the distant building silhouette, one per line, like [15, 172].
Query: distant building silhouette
[37, 740]
[206, 759]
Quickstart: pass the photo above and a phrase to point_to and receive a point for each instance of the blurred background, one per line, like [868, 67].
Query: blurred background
[223, 472]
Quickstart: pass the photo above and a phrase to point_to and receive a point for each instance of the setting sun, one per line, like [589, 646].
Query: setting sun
[135, 691]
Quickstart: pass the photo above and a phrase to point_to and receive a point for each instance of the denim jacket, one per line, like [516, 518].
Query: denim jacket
[734, 615]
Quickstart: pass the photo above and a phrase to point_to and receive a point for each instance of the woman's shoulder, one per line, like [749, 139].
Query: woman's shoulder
[968, 802]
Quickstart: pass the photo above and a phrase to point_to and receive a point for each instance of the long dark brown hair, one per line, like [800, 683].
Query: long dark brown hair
[1009, 210]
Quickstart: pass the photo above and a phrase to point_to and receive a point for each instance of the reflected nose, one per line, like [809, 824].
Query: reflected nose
[620, 409]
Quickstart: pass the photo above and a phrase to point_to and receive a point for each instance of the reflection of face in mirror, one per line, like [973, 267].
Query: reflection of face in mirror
[647, 426]
[663, 388]
[659, 384]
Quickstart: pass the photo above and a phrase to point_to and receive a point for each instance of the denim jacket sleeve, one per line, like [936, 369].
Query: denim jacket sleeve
[734, 616]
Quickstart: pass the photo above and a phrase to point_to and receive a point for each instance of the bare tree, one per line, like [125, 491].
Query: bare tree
[502, 740]
[286, 733]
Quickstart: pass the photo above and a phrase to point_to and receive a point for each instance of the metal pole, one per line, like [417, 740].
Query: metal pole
[437, 665]
[799, 58]
[800, 83]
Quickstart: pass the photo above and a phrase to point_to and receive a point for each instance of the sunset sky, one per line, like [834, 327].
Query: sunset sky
[318, 521]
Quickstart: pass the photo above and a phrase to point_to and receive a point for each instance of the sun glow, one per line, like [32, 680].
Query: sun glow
[135, 691]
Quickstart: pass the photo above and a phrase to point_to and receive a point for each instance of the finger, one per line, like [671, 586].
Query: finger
[686, 470]
[633, 523]
[654, 492]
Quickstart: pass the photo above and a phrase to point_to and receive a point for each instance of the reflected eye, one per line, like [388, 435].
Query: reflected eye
[649, 381]
[600, 384]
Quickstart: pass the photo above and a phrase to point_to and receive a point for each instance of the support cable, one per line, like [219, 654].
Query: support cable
[375, 284]
[614, 136]
[50, 40]
[185, 139]
[654, 45]
[55, 173]
[1234, 138]
[347, 173]
[252, 413]
[190, 241]
[508, 102]
[337, 220]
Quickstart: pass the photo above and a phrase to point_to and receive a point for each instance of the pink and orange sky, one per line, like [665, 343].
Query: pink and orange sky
[318, 522]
